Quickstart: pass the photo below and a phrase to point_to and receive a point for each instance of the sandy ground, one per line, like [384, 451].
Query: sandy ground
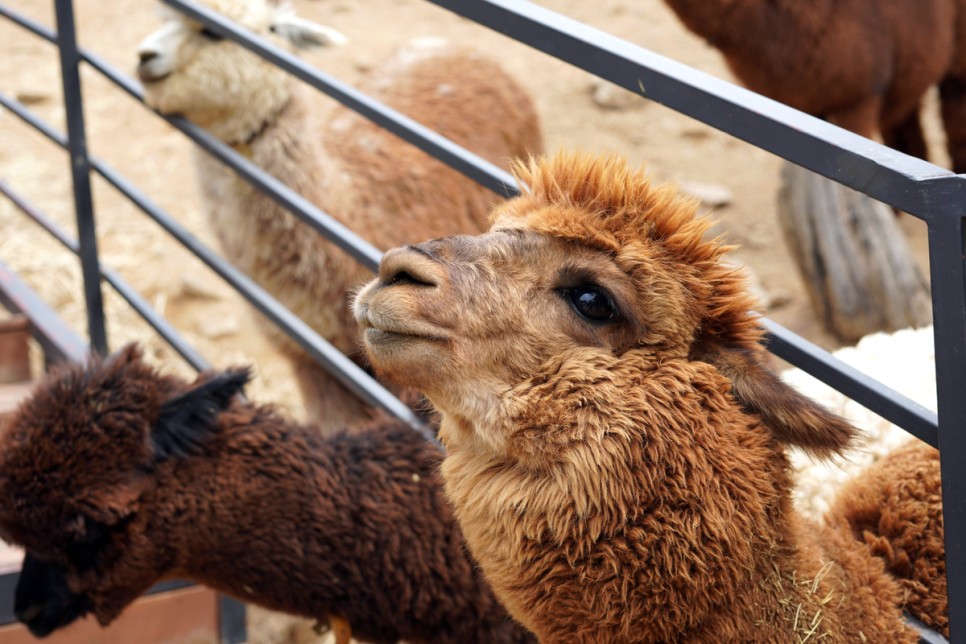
[156, 158]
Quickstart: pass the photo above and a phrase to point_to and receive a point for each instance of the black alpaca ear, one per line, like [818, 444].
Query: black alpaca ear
[188, 420]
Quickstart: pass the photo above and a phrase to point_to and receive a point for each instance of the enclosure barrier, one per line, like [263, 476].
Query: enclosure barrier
[926, 191]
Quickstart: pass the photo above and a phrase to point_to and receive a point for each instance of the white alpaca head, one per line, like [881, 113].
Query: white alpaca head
[189, 70]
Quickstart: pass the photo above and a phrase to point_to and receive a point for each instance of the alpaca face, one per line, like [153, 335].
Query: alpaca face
[190, 70]
[79, 466]
[74, 466]
[465, 319]
[592, 260]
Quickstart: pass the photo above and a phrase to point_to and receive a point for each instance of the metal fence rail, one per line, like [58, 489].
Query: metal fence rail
[920, 188]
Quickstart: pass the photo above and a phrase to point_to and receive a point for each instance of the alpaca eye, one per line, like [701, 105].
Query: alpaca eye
[84, 551]
[83, 556]
[210, 35]
[591, 303]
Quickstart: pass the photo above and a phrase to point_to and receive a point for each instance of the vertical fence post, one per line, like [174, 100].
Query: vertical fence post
[80, 173]
[232, 620]
[946, 257]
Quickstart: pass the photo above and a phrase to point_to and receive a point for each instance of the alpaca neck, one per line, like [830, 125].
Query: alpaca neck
[260, 236]
[244, 142]
[533, 530]
[660, 509]
[262, 522]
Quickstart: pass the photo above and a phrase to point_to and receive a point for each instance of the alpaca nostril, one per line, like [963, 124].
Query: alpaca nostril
[147, 56]
[409, 266]
[405, 277]
[30, 613]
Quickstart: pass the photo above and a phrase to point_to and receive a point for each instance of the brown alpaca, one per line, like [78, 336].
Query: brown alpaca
[615, 440]
[365, 177]
[862, 64]
[896, 508]
[116, 477]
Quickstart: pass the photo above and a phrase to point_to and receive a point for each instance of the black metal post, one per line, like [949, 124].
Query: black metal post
[231, 618]
[70, 59]
[947, 246]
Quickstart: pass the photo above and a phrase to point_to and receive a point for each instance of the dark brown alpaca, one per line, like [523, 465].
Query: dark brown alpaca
[862, 64]
[115, 477]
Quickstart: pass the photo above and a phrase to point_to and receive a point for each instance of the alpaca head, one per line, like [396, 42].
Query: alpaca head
[189, 70]
[591, 259]
[78, 465]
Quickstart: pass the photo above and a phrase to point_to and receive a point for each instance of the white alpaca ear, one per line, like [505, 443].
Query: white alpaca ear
[304, 33]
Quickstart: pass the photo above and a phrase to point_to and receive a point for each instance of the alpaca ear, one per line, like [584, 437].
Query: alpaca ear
[128, 354]
[188, 420]
[304, 33]
[792, 417]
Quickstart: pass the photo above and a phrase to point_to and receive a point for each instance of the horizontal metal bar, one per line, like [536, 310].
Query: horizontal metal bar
[20, 110]
[34, 27]
[333, 230]
[125, 290]
[860, 387]
[429, 141]
[346, 371]
[59, 342]
[882, 173]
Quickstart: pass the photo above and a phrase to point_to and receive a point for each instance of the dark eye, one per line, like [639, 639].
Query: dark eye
[591, 303]
[210, 35]
[83, 556]
[83, 552]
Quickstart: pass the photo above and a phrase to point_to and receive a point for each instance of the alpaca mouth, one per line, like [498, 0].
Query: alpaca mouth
[375, 336]
[149, 74]
[383, 321]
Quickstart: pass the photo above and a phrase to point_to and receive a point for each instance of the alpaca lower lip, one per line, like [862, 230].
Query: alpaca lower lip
[384, 336]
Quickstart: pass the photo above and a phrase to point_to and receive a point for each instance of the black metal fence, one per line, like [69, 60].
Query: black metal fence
[930, 193]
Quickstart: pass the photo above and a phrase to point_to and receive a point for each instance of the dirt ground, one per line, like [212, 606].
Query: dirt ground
[157, 159]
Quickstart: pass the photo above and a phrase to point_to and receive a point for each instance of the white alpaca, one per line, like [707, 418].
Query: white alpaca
[386, 190]
[904, 361]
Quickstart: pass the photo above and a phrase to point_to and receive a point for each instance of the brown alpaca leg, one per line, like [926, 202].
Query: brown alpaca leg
[952, 92]
[341, 630]
[907, 136]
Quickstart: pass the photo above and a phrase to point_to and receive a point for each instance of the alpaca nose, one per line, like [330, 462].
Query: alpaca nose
[151, 66]
[412, 266]
[146, 56]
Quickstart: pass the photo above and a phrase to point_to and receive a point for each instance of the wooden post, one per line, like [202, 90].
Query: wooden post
[852, 256]
[14, 349]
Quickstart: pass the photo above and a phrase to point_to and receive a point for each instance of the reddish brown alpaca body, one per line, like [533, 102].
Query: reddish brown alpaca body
[615, 440]
[896, 508]
[862, 64]
[353, 528]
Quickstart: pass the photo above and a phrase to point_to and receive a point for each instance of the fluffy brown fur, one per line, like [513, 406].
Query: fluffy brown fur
[365, 177]
[615, 439]
[863, 64]
[117, 477]
[896, 509]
